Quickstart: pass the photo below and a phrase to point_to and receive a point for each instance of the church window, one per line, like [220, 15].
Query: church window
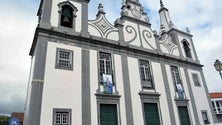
[61, 116]
[196, 79]
[205, 117]
[145, 74]
[64, 59]
[177, 82]
[105, 63]
[187, 49]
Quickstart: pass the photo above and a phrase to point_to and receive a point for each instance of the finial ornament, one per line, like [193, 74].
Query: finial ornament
[161, 4]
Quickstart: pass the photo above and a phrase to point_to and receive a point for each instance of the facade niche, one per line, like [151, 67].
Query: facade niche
[67, 13]
[187, 49]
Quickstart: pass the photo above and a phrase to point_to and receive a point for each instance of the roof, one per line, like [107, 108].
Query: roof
[216, 95]
[18, 115]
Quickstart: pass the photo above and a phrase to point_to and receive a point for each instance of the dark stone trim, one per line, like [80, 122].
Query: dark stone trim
[71, 60]
[149, 95]
[126, 83]
[46, 14]
[86, 103]
[208, 97]
[40, 59]
[193, 103]
[84, 29]
[168, 93]
[35, 103]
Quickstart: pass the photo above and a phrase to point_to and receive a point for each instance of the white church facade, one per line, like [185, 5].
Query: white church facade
[91, 72]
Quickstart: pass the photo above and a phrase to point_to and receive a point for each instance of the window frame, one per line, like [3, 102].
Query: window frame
[62, 111]
[148, 67]
[57, 65]
[196, 79]
[204, 112]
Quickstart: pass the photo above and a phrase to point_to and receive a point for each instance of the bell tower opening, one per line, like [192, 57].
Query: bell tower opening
[67, 16]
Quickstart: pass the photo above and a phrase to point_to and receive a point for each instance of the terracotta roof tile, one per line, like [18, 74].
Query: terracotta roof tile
[216, 95]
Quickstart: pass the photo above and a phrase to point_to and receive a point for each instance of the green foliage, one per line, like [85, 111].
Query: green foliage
[4, 120]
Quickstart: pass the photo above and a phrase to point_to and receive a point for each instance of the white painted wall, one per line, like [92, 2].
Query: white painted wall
[55, 95]
[160, 88]
[93, 86]
[55, 14]
[120, 87]
[200, 97]
[135, 87]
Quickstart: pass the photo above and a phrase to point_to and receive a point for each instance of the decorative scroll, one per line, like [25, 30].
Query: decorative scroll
[132, 31]
[146, 36]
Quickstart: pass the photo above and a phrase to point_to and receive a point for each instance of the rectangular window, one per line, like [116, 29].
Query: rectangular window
[175, 75]
[61, 116]
[196, 79]
[184, 115]
[177, 82]
[151, 114]
[105, 63]
[64, 59]
[108, 114]
[205, 118]
[145, 74]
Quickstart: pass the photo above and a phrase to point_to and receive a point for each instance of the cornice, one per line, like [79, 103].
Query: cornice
[112, 44]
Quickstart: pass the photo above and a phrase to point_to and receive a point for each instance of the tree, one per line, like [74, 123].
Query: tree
[4, 120]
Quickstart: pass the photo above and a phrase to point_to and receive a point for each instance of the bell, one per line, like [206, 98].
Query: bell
[65, 19]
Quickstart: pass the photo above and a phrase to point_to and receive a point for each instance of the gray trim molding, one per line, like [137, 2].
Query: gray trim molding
[168, 93]
[35, 103]
[126, 82]
[86, 102]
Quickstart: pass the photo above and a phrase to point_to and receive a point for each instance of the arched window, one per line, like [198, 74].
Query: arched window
[67, 13]
[187, 49]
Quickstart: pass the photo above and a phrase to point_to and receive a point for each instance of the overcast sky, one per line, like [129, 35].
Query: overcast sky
[18, 21]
